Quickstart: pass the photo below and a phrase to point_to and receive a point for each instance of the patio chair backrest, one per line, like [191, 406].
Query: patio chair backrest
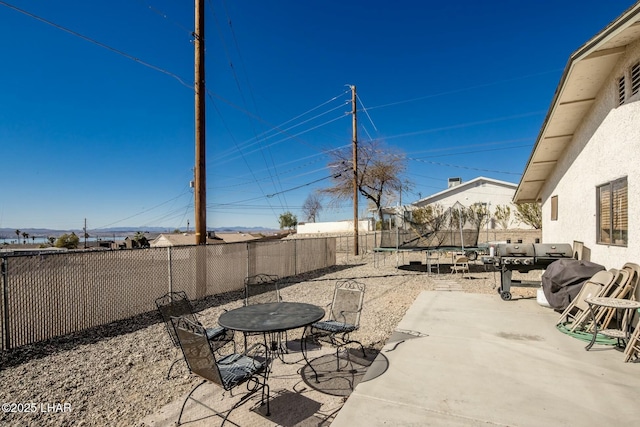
[579, 309]
[198, 354]
[462, 262]
[261, 288]
[618, 285]
[347, 302]
[634, 272]
[594, 287]
[174, 304]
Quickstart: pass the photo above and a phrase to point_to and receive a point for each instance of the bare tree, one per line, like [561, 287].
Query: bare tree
[478, 215]
[458, 217]
[379, 170]
[429, 221]
[312, 207]
[503, 216]
[530, 214]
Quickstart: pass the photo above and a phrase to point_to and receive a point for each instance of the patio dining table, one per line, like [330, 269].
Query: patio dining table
[271, 319]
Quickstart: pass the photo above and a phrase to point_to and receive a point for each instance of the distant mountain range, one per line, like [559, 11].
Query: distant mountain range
[10, 233]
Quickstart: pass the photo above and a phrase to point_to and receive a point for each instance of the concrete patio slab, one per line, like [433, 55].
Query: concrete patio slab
[461, 359]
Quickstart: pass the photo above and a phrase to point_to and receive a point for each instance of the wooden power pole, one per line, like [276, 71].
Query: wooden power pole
[200, 188]
[355, 170]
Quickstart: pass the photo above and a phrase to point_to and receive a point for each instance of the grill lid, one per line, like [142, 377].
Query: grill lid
[553, 250]
[516, 250]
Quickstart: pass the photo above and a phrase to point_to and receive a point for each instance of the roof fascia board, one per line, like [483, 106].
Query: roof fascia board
[581, 53]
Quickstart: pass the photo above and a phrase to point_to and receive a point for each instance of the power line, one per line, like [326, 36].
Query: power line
[451, 92]
[240, 151]
[283, 191]
[463, 167]
[279, 129]
[286, 133]
[270, 166]
[142, 212]
[367, 113]
[97, 43]
[165, 16]
[461, 125]
[451, 148]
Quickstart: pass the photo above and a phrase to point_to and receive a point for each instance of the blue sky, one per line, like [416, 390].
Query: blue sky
[99, 124]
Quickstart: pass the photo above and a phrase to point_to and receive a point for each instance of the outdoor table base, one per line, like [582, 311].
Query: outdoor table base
[621, 306]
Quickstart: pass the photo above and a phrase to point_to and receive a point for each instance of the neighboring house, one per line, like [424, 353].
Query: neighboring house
[131, 243]
[585, 165]
[486, 191]
[185, 239]
[179, 239]
[239, 237]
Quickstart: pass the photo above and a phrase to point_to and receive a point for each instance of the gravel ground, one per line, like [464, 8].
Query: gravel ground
[115, 374]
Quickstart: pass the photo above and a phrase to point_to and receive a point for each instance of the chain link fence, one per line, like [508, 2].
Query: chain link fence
[51, 294]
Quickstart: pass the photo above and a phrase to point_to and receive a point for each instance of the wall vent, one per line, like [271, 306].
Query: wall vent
[635, 79]
[621, 90]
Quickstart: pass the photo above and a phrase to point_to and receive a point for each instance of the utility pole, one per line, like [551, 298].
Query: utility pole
[85, 233]
[200, 169]
[355, 169]
[200, 188]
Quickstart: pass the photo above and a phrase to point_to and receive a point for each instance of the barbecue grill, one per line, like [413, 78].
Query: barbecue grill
[524, 257]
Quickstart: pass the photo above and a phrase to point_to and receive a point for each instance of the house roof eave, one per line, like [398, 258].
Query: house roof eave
[586, 71]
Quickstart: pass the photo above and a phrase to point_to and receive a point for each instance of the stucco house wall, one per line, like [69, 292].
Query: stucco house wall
[606, 146]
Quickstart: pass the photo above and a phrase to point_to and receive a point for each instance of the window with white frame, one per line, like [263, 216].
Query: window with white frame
[612, 213]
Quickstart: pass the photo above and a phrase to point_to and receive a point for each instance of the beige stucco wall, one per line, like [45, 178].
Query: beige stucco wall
[606, 146]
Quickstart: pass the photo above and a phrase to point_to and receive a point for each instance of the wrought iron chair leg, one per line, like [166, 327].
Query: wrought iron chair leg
[247, 396]
[265, 385]
[344, 344]
[172, 365]
[185, 401]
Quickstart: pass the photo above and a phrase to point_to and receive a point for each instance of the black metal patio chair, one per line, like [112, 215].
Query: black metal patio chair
[228, 372]
[176, 304]
[259, 289]
[344, 317]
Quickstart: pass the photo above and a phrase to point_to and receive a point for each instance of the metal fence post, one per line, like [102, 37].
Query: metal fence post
[248, 273]
[170, 269]
[6, 343]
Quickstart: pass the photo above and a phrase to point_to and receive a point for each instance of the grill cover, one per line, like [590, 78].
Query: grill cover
[563, 279]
